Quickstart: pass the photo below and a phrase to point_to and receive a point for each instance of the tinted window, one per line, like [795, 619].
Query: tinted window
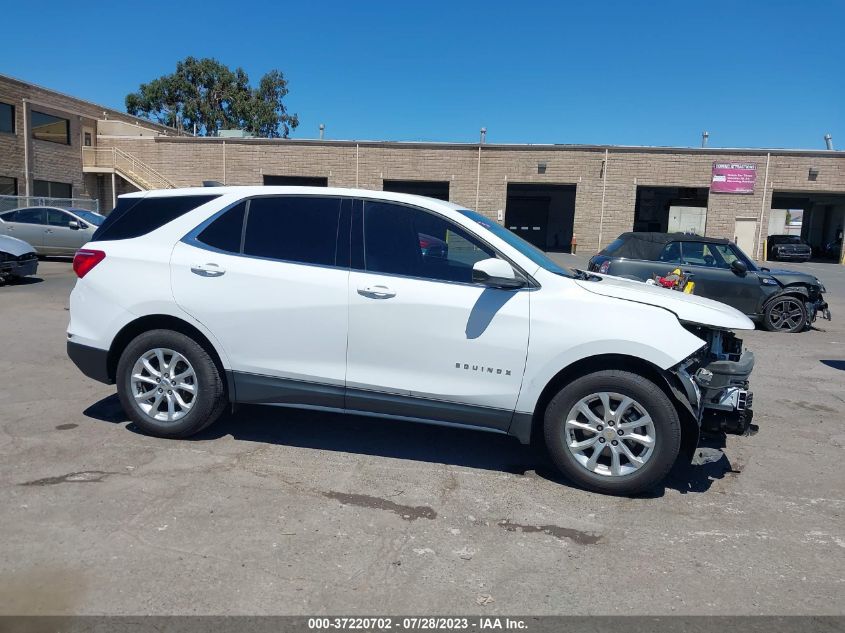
[7, 118]
[709, 255]
[671, 253]
[225, 232]
[402, 240]
[613, 246]
[47, 127]
[9, 216]
[30, 216]
[57, 218]
[293, 228]
[133, 217]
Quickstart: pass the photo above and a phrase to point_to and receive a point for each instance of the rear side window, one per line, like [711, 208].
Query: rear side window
[613, 246]
[226, 231]
[133, 217]
[299, 229]
[31, 216]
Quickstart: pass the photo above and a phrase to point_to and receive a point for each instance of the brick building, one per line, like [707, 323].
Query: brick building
[546, 193]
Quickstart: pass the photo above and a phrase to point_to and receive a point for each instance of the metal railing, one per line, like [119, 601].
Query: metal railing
[127, 165]
[18, 202]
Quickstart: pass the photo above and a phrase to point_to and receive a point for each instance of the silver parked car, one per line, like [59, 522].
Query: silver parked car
[51, 230]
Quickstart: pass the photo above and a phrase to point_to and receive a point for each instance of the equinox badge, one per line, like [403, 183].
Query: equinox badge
[483, 369]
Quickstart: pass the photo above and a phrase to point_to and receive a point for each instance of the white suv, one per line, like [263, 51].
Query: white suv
[400, 306]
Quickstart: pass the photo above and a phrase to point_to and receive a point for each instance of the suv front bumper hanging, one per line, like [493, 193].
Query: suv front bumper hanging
[725, 397]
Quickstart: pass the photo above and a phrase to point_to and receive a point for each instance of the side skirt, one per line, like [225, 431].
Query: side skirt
[288, 392]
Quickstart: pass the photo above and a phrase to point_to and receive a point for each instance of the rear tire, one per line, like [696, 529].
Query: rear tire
[613, 432]
[785, 314]
[169, 385]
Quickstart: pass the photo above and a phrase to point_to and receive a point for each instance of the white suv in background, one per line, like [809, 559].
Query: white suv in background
[335, 299]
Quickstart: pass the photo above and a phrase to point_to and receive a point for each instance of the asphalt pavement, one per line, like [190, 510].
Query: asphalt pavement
[273, 511]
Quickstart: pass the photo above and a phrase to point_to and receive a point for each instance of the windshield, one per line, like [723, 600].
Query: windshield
[89, 216]
[787, 239]
[529, 250]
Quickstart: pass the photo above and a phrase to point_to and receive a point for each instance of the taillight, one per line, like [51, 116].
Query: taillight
[605, 266]
[85, 260]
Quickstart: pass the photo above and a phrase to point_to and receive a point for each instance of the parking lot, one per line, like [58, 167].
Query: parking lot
[284, 512]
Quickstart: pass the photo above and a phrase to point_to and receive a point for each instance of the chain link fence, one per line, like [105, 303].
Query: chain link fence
[17, 202]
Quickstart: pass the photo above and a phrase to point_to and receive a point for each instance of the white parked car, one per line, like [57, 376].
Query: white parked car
[326, 299]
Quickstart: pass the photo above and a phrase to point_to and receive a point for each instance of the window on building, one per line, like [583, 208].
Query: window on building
[47, 127]
[7, 118]
[50, 189]
[225, 232]
[86, 139]
[401, 240]
[293, 228]
[8, 186]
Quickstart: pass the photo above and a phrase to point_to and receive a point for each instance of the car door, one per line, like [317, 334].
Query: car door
[28, 225]
[59, 237]
[269, 278]
[714, 278]
[424, 340]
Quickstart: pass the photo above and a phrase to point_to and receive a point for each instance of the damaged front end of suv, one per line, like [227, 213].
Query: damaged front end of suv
[716, 382]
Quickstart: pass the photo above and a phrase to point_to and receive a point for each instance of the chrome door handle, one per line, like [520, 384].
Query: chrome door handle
[207, 270]
[377, 292]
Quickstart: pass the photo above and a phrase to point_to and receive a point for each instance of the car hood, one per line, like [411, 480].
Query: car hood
[788, 277]
[14, 246]
[689, 308]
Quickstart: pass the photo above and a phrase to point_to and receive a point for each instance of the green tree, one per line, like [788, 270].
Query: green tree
[210, 95]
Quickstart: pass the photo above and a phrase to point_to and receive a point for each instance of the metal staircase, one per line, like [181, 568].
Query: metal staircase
[113, 160]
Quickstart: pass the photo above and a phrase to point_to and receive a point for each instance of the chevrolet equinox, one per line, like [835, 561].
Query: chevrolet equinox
[334, 299]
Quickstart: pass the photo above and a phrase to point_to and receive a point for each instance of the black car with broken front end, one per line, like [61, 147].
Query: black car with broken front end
[780, 300]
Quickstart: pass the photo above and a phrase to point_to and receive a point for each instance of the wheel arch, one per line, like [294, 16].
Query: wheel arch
[665, 380]
[163, 322]
[796, 290]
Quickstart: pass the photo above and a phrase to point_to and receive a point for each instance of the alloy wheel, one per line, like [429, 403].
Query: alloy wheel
[164, 384]
[786, 314]
[609, 434]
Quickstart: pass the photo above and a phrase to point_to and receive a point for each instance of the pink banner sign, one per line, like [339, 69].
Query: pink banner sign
[733, 177]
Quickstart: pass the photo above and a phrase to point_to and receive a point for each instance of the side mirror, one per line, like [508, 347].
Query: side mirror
[739, 267]
[495, 273]
[73, 224]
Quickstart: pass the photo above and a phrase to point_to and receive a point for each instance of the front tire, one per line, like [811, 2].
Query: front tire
[785, 314]
[169, 385]
[613, 432]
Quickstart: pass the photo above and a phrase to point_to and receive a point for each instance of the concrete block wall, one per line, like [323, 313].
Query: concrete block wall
[48, 160]
[189, 161]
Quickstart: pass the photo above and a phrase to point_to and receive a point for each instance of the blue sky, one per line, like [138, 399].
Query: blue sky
[754, 74]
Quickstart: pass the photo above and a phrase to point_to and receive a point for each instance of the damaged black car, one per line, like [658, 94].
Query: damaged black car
[779, 300]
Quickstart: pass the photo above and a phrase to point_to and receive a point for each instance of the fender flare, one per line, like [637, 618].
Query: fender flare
[787, 290]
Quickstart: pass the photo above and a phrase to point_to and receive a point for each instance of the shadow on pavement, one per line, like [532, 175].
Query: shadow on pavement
[835, 364]
[398, 439]
[22, 281]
